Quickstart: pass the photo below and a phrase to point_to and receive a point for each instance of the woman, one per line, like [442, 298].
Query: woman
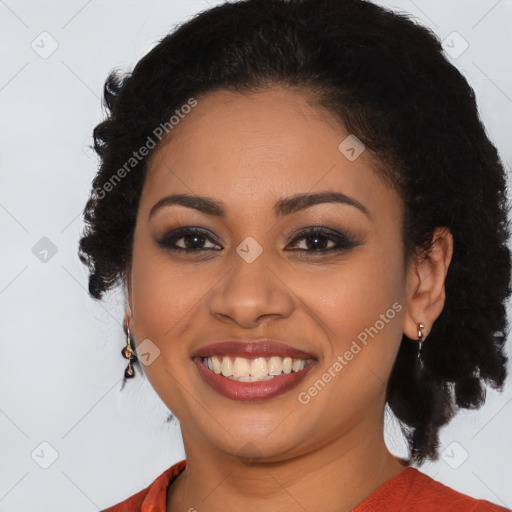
[310, 223]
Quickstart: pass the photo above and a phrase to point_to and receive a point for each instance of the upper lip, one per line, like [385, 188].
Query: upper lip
[264, 347]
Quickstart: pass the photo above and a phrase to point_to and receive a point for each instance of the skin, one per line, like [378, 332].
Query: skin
[248, 151]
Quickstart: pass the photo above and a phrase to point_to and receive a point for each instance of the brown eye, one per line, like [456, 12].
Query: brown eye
[316, 241]
[190, 240]
[320, 240]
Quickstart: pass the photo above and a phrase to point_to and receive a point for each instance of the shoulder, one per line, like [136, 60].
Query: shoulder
[152, 497]
[433, 495]
[443, 497]
[413, 490]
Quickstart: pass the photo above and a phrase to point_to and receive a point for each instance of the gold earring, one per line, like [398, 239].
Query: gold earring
[420, 340]
[129, 353]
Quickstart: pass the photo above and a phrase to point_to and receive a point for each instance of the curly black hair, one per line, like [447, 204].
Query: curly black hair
[387, 80]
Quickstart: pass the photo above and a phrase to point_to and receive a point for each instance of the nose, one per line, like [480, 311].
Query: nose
[251, 293]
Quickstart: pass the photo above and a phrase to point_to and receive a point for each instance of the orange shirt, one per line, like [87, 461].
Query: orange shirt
[410, 490]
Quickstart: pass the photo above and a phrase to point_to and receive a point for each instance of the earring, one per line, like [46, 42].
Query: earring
[129, 353]
[421, 340]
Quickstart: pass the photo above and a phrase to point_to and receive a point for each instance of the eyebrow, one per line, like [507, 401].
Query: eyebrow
[284, 206]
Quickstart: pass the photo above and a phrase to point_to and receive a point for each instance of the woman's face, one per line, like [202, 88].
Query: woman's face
[251, 274]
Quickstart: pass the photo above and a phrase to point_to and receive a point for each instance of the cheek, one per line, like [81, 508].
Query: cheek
[165, 299]
[361, 316]
[353, 298]
[359, 306]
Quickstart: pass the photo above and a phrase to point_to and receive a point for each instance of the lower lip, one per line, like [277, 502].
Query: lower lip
[251, 391]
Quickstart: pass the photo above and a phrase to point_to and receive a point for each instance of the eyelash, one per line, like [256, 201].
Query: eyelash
[343, 242]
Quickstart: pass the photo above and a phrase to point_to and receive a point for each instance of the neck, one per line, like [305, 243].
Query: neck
[346, 470]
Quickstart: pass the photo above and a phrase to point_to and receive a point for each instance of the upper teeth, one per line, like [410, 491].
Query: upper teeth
[242, 368]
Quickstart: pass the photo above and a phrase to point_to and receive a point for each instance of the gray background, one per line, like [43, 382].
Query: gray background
[61, 368]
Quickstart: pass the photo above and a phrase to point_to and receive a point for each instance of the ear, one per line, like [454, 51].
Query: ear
[425, 284]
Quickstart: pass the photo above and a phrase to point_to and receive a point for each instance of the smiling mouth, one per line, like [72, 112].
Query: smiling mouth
[253, 370]
[279, 376]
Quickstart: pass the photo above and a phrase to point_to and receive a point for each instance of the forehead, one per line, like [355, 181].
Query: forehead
[270, 143]
[266, 126]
